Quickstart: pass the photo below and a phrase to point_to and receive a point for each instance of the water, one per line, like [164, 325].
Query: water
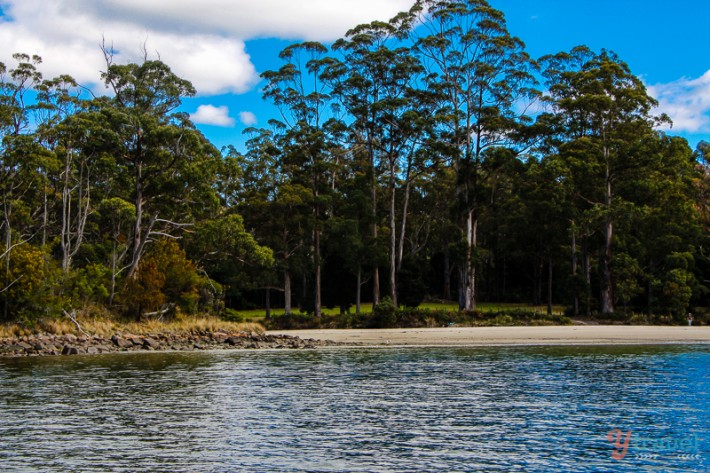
[386, 410]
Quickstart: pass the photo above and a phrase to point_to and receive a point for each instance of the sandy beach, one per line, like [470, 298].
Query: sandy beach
[481, 336]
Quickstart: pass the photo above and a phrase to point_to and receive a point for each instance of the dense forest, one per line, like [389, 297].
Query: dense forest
[424, 157]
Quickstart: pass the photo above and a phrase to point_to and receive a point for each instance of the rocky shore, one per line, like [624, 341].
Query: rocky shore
[47, 345]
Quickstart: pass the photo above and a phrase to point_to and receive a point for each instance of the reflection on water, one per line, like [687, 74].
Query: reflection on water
[435, 409]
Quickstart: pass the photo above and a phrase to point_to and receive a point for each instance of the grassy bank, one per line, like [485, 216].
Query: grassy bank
[104, 327]
[257, 315]
[386, 316]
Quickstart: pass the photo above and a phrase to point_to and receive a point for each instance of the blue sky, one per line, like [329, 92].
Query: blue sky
[222, 45]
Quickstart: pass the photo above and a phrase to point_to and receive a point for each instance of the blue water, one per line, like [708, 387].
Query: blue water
[377, 410]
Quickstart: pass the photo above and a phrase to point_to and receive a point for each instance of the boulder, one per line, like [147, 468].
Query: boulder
[69, 350]
[150, 343]
[121, 342]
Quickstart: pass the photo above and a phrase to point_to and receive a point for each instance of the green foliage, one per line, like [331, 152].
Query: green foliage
[412, 289]
[384, 315]
[402, 150]
[231, 315]
[89, 284]
[25, 280]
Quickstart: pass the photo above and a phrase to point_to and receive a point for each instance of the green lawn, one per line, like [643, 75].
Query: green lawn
[257, 314]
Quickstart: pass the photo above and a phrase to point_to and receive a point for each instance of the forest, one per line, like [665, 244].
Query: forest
[424, 158]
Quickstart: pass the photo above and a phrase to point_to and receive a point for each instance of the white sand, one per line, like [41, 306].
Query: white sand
[475, 336]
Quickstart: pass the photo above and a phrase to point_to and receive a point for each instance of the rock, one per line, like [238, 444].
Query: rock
[67, 350]
[150, 343]
[69, 338]
[121, 342]
[234, 341]
[25, 346]
[93, 351]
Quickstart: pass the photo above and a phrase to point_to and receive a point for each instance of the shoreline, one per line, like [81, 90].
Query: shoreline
[69, 344]
[556, 335]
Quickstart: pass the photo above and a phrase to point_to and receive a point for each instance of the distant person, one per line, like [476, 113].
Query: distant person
[690, 320]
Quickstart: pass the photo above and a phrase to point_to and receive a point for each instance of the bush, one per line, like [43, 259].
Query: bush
[384, 315]
[231, 315]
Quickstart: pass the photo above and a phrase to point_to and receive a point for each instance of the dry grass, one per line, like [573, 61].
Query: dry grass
[106, 327]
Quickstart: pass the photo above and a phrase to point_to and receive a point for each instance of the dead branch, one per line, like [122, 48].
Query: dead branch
[73, 319]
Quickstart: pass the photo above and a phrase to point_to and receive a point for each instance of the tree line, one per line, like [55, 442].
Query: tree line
[427, 156]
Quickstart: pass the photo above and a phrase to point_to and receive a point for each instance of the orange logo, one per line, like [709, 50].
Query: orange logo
[621, 442]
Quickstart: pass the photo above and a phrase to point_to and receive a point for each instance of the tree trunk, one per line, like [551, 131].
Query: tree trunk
[447, 278]
[462, 288]
[403, 228]
[138, 225]
[114, 258]
[358, 290]
[549, 285]
[607, 297]
[268, 303]
[537, 281]
[470, 271]
[316, 262]
[287, 292]
[575, 299]
[373, 203]
[393, 238]
[588, 280]
[649, 290]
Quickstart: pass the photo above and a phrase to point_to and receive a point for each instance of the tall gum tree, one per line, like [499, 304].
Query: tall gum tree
[377, 83]
[304, 99]
[480, 73]
[169, 163]
[602, 113]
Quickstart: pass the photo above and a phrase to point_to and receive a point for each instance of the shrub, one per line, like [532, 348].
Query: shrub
[231, 315]
[384, 315]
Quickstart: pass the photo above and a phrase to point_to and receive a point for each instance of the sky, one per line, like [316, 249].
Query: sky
[222, 46]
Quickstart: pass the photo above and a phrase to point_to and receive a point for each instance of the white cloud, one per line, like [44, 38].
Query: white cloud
[202, 41]
[247, 118]
[686, 101]
[211, 115]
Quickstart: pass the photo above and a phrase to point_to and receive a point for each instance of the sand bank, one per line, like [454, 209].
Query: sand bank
[481, 336]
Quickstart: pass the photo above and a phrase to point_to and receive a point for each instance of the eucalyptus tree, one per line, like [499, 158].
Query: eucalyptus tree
[63, 130]
[275, 206]
[168, 164]
[479, 74]
[603, 115]
[23, 164]
[377, 83]
[304, 100]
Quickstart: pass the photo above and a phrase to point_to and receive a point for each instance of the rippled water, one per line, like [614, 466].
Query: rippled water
[384, 410]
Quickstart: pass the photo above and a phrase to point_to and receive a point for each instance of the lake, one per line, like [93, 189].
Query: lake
[520, 409]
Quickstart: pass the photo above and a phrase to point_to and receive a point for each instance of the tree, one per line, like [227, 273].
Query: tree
[169, 164]
[378, 82]
[603, 113]
[303, 99]
[478, 72]
[23, 162]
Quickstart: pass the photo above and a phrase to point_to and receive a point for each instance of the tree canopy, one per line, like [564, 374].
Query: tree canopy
[431, 148]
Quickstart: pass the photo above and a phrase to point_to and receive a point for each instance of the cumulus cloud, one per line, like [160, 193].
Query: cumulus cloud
[247, 118]
[211, 115]
[202, 41]
[686, 101]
